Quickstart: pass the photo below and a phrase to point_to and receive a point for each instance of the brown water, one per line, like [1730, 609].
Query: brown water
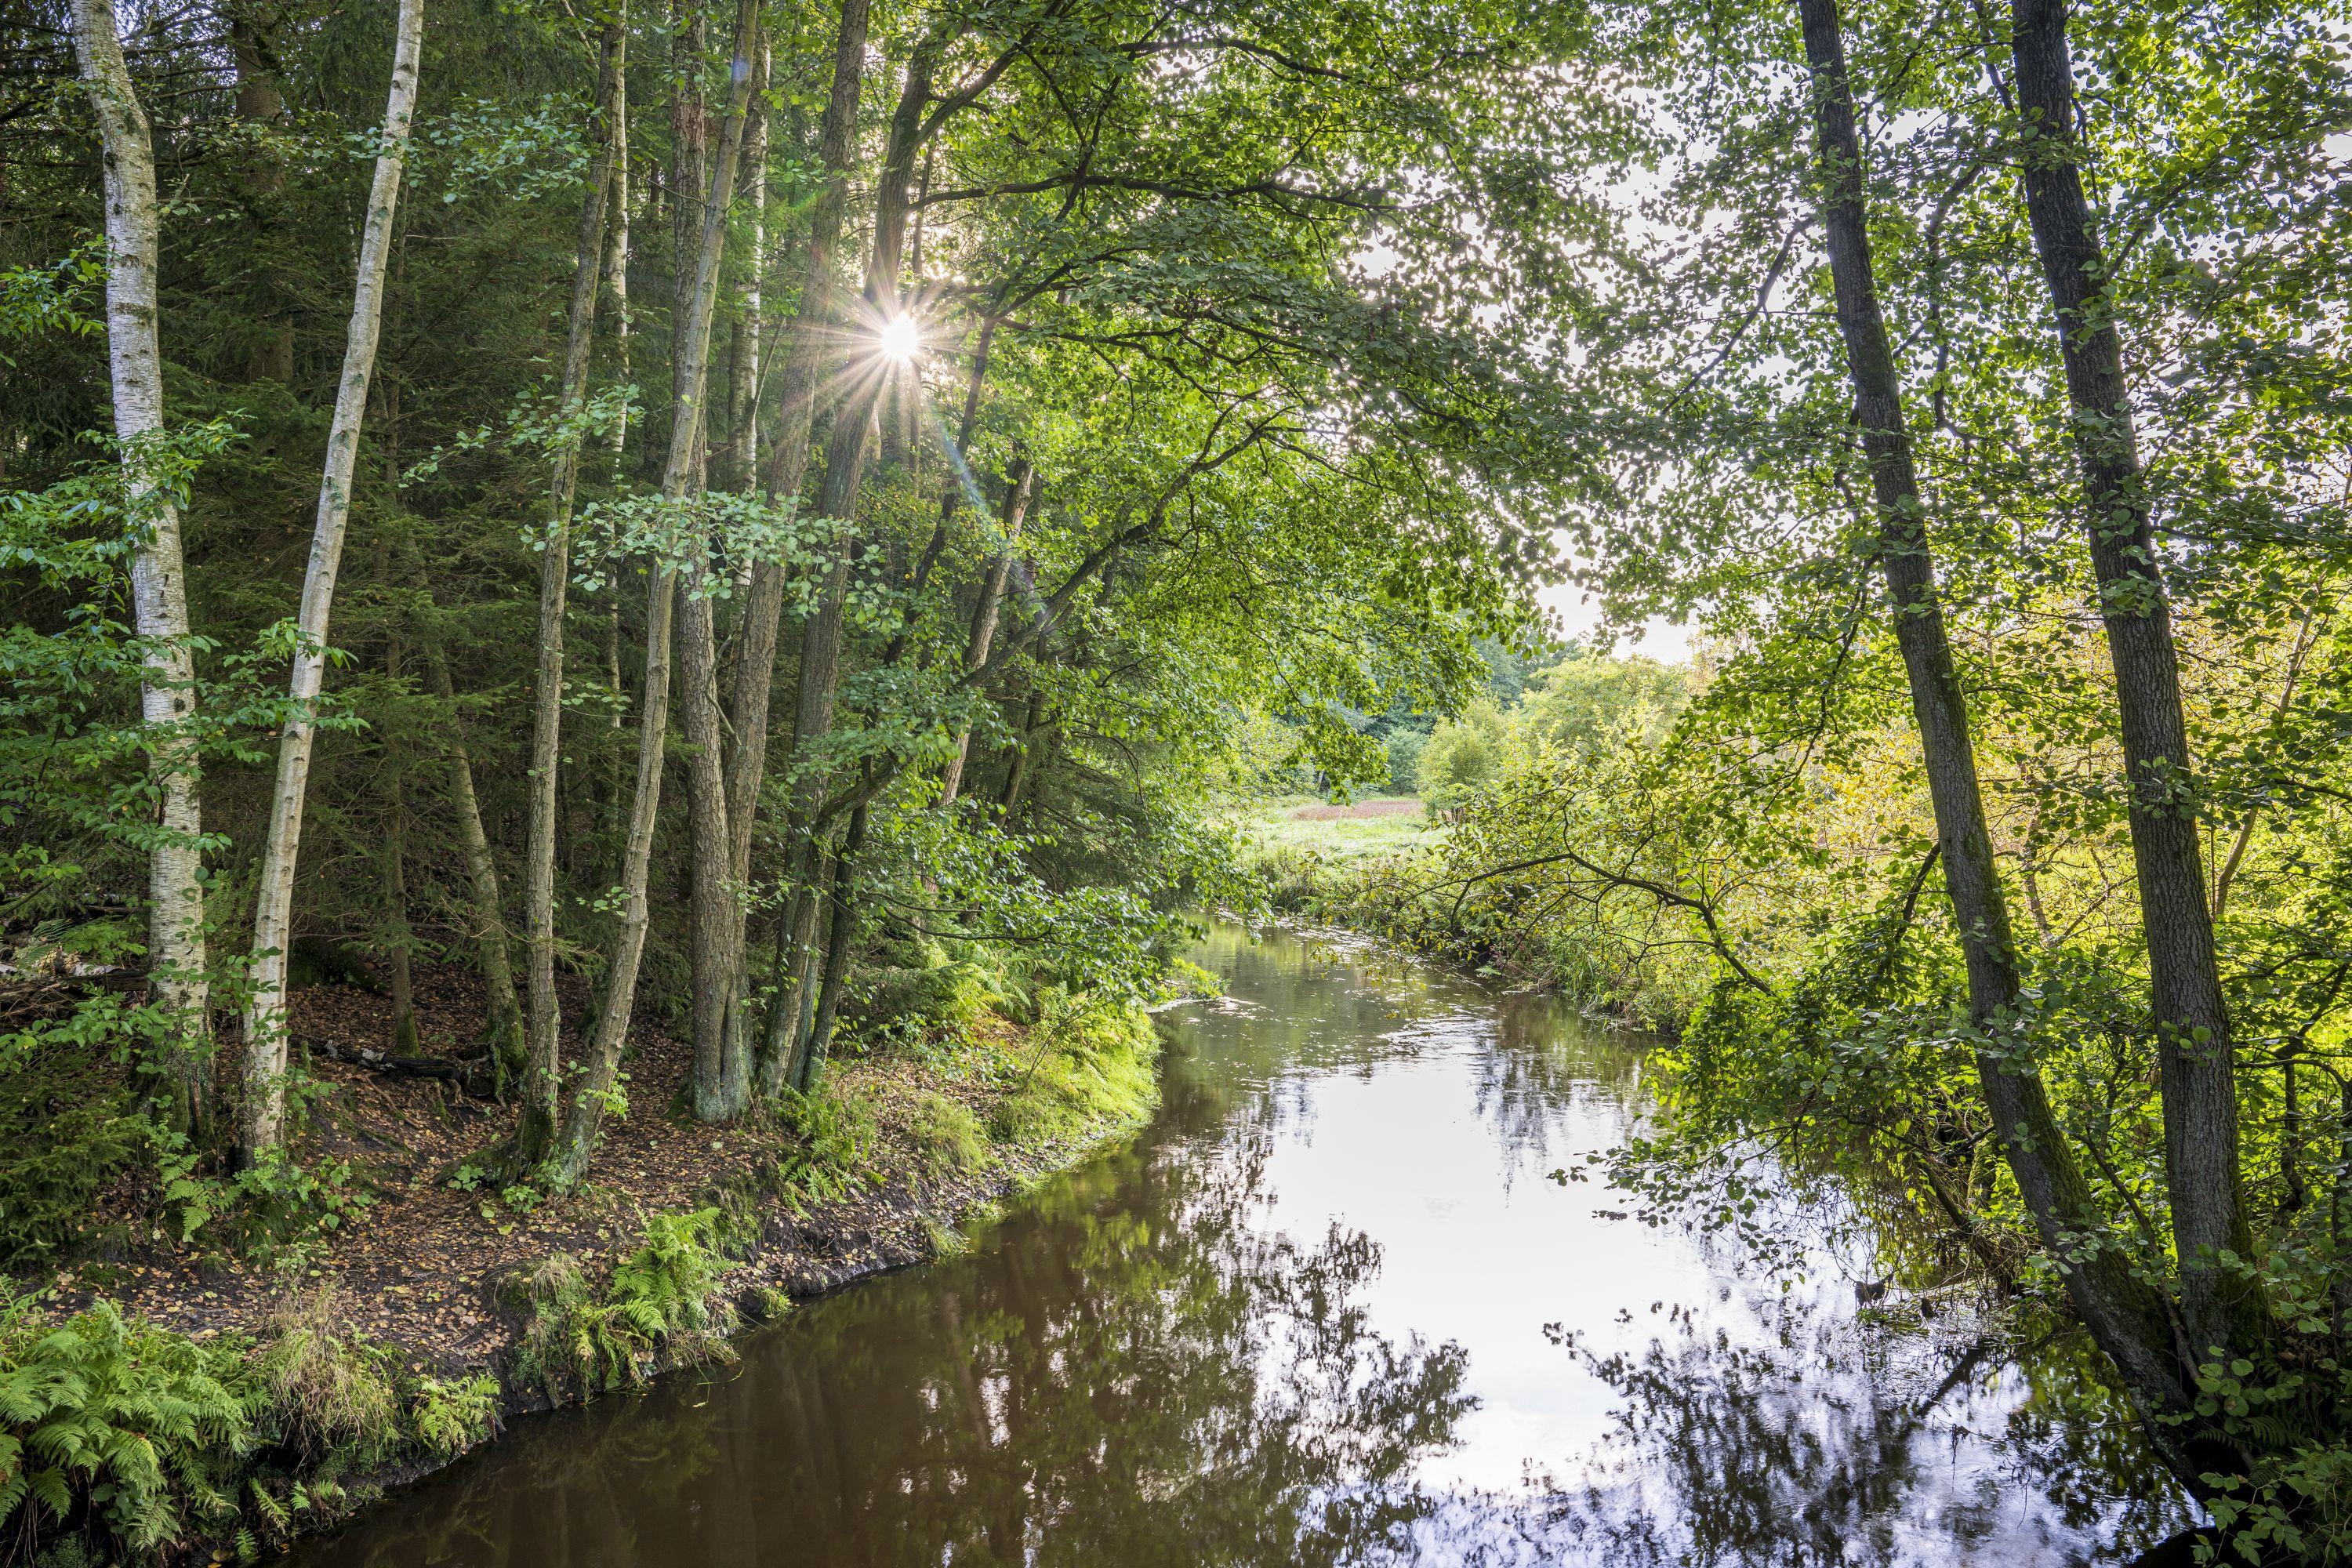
[1328, 1308]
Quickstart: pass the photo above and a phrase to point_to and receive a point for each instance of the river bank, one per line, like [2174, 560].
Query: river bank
[433, 1302]
[1263, 1332]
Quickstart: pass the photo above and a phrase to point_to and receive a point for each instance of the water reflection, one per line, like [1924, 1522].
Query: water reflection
[1326, 1311]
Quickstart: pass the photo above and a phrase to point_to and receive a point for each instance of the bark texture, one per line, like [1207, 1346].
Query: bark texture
[264, 1017]
[2197, 1062]
[159, 587]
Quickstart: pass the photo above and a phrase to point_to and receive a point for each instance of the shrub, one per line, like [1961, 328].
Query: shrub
[123, 1430]
[661, 1296]
[832, 1136]
[447, 1418]
[70, 1128]
[1090, 1068]
[330, 1391]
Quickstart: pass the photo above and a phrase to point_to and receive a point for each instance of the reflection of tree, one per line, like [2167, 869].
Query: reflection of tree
[1798, 1452]
[1135, 1376]
[1140, 1370]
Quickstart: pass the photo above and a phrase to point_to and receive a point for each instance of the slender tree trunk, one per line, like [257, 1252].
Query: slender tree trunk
[792, 1011]
[616, 1005]
[159, 588]
[395, 760]
[395, 887]
[806, 353]
[840, 938]
[1016, 769]
[616, 284]
[535, 1131]
[2126, 1315]
[2197, 1064]
[983, 617]
[845, 476]
[743, 350]
[508, 1050]
[260, 102]
[264, 1017]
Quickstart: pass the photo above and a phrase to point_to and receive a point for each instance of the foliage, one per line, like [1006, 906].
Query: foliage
[1087, 1066]
[832, 1136]
[132, 1432]
[661, 1297]
[948, 1137]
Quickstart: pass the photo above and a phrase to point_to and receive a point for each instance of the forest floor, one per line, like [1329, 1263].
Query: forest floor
[415, 1267]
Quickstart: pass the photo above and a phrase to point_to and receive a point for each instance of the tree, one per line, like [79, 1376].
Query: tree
[273, 923]
[176, 894]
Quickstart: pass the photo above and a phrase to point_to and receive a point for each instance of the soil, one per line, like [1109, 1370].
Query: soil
[413, 1268]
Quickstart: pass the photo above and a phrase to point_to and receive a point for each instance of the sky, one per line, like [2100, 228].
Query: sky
[1666, 641]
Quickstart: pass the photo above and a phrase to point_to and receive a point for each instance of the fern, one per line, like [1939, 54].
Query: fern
[129, 1427]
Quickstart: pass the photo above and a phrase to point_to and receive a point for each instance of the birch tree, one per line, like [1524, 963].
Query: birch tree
[159, 589]
[265, 1018]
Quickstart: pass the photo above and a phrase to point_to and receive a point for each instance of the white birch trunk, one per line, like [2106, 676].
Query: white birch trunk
[265, 1018]
[159, 589]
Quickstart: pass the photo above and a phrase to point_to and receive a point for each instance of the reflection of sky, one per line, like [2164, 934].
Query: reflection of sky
[1413, 1144]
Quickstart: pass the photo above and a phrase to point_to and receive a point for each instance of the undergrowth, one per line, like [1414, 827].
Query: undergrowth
[121, 1441]
[660, 1298]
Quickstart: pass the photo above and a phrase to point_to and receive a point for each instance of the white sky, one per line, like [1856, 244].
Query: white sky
[1666, 641]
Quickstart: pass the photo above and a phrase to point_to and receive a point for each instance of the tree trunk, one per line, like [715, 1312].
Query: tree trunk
[159, 588]
[2127, 1316]
[508, 1050]
[692, 356]
[839, 939]
[616, 284]
[983, 617]
[807, 351]
[1016, 768]
[260, 102]
[743, 350]
[2198, 1069]
[844, 469]
[535, 1132]
[265, 1016]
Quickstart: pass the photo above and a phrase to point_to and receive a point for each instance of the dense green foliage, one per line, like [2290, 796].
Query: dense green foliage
[841, 597]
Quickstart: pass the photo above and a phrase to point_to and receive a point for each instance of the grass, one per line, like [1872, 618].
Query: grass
[1381, 829]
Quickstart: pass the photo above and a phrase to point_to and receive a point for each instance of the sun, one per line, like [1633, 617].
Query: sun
[900, 338]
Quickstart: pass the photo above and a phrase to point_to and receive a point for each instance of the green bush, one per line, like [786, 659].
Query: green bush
[662, 1296]
[125, 1432]
[832, 1139]
[332, 1392]
[70, 1129]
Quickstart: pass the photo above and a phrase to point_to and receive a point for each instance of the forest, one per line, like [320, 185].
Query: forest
[617, 618]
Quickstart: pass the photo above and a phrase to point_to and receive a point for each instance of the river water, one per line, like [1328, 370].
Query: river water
[1331, 1308]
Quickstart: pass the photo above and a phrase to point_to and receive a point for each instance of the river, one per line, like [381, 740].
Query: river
[1331, 1307]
